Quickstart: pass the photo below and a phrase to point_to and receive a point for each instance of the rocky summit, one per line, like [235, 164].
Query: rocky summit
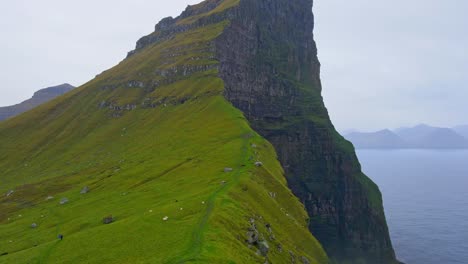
[209, 143]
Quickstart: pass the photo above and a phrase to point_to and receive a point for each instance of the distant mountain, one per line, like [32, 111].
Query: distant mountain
[427, 137]
[414, 134]
[39, 97]
[418, 137]
[384, 139]
[462, 130]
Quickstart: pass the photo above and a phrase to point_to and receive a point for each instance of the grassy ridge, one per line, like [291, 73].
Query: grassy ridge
[142, 165]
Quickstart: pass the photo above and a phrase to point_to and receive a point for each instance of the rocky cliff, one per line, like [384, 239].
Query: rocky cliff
[269, 64]
[39, 97]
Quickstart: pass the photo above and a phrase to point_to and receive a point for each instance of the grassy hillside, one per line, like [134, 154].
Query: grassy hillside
[151, 138]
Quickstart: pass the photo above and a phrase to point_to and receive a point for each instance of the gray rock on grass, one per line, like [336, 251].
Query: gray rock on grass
[108, 220]
[85, 190]
[64, 200]
[305, 260]
[264, 248]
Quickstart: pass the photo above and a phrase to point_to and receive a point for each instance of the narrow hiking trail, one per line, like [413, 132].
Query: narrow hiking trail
[195, 248]
[42, 259]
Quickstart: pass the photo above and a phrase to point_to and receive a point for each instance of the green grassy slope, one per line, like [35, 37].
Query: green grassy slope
[150, 142]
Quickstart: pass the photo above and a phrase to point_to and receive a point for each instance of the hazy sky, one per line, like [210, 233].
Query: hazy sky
[384, 63]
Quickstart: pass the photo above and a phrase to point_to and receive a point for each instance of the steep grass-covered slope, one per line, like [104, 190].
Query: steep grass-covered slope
[152, 139]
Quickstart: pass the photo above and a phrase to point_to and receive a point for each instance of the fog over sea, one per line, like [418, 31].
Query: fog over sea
[426, 202]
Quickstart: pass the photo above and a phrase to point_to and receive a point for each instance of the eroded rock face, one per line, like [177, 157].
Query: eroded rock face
[268, 60]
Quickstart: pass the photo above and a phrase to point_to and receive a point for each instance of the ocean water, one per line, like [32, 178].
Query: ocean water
[426, 202]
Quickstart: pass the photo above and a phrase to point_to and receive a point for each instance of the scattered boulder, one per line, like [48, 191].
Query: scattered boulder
[166, 218]
[264, 248]
[270, 232]
[259, 164]
[254, 146]
[64, 200]
[108, 220]
[10, 192]
[293, 256]
[252, 237]
[305, 260]
[228, 169]
[33, 225]
[49, 198]
[279, 247]
[85, 190]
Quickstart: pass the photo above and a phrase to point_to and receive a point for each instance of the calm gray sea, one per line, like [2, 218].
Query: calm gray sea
[426, 202]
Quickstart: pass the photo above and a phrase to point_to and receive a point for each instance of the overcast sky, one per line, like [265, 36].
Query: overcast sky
[384, 63]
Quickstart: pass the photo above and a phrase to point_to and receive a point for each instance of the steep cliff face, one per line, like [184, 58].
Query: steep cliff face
[271, 72]
[39, 97]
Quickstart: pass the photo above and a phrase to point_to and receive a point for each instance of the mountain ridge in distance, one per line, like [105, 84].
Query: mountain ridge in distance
[418, 137]
[40, 97]
[384, 139]
[462, 130]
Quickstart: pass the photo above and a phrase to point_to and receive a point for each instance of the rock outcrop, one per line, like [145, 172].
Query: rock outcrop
[39, 97]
